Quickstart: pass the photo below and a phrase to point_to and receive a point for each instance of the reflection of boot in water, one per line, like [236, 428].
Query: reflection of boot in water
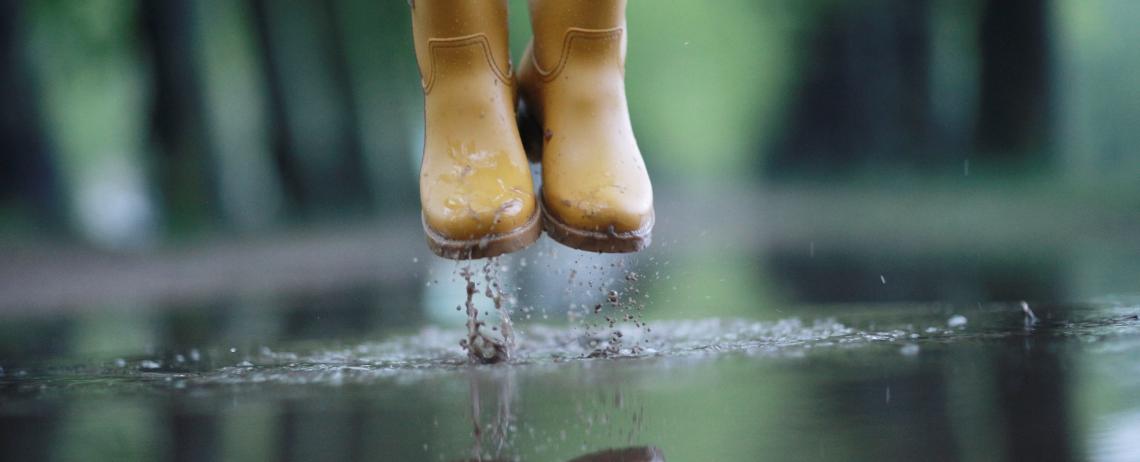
[492, 439]
[640, 454]
[595, 193]
[499, 429]
[475, 185]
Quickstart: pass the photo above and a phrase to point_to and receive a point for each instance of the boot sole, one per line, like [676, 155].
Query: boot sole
[488, 246]
[596, 241]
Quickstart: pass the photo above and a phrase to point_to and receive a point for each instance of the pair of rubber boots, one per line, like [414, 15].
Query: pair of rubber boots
[476, 190]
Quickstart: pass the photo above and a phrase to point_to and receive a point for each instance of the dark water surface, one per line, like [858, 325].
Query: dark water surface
[876, 381]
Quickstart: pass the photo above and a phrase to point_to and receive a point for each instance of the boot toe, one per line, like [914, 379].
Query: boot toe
[459, 218]
[610, 213]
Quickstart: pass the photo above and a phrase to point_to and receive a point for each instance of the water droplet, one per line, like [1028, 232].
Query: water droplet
[956, 321]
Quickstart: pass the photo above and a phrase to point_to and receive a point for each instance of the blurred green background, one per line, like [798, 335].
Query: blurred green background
[981, 149]
[133, 124]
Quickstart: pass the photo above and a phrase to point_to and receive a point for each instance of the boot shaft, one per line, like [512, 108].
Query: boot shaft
[595, 29]
[461, 39]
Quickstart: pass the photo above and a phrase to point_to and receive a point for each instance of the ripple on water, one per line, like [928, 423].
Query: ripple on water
[433, 350]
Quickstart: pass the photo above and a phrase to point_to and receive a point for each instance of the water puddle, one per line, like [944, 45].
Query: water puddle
[433, 350]
[557, 398]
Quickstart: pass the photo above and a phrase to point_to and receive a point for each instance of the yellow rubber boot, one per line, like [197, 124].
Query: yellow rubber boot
[475, 185]
[596, 193]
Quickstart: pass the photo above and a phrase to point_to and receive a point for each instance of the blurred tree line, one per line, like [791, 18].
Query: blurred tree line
[131, 118]
[128, 121]
[878, 62]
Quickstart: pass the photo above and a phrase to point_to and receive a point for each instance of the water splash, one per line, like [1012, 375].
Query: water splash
[481, 347]
[432, 351]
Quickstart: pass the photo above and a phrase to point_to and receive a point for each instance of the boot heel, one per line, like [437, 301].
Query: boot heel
[531, 133]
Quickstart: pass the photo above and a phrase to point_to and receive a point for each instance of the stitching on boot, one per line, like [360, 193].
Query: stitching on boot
[460, 42]
[575, 33]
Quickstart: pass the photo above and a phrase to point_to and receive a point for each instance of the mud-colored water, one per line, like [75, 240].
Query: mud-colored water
[606, 321]
[481, 347]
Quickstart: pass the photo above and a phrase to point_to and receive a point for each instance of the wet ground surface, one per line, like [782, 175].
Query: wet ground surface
[883, 381]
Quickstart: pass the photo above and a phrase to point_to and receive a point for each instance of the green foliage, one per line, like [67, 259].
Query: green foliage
[706, 83]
